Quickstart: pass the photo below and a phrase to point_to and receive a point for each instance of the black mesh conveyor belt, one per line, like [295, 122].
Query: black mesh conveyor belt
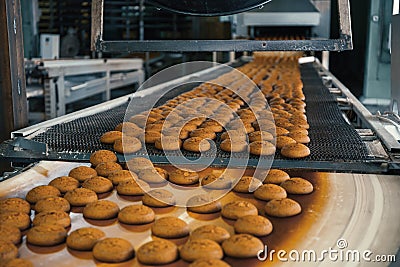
[332, 139]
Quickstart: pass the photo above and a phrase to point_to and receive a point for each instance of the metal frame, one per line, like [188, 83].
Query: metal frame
[344, 42]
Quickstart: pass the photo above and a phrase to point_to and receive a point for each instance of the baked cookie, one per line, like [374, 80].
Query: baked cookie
[15, 204]
[158, 198]
[102, 156]
[168, 143]
[46, 235]
[201, 249]
[298, 186]
[245, 183]
[110, 137]
[8, 251]
[236, 209]
[203, 204]
[209, 263]
[137, 164]
[82, 173]
[295, 151]
[106, 168]
[233, 146]
[242, 246]
[132, 188]
[299, 137]
[84, 238]
[154, 175]
[10, 233]
[52, 203]
[203, 133]
[175, 131]
[210, 231]
[80, 197]
[285, 207]
[41, 191]
[268, 192]
[19, 219]
[217, 179]
[183, 177]
[122, 176]
[170, 227]
[281, 131]
[101, 210]
[262, 148]
[126, 126]
[127, 145]
[254, 225]
[18, 262]
[150, 137]
[113, 250]
[157, 252]
[98, 184]
[276, 176]
[260, 136]
[136, 214]
[52, 217]
[284, 140]
[64, 183]
[141, 120]
[234, 135]
[196, 144]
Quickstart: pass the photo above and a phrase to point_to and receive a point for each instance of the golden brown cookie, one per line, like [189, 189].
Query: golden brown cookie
[298, 186]
[260, 136]
[18, 262]
[233, 146]
[10, 233]
[262, 148]
[137, 164]
[126, 126]
[183, 177]
[170, 227]
[270, 191]
[217, 179]
[158, 198]
[284, 140]
[210, 231]
[110, 137]
[150, 137]
[106, 168]
[203, 204]
[141, 120]
[80, 197]
[46, 235]
[52, 217]
[64, 183]
[136, 214]
[15, 218]
[102, 156]
[254, 225]
[209, 263]
[52, 203]
[168, 143]
[8, 251]
[299, 137]
[122, 176]
[276, 176]
[127, 145]
[84, 238]
[281, 131]
[101, 210]
[15, 204]
[132, 188]
[296, 150]
[196, 144]
[98, 184]
[203, 133]
[234, 135]
[154, 175]
[176, 131]
[113, 250]
[201, 249]
[239, 208]
[285, 207]
[242, 246]
[157, 252]
[246, 183]
[41, 191]
[82, 173]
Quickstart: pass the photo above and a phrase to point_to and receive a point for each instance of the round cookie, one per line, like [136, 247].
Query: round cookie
[262, 148]
[298, 186]
[254, 225]
[175, 131]
[299, 137]
[18, 262]
[10, 233]
[52, 217]
[285, 207]
[279, 131]
[138, 164]
[217, 179]
[233, 146]
[46, 235]
[268, 192]
[52, 203]
[132, 188]
[203, 133]
[295, 151]
[170, 227]
[15, 204]
[158, 198]
[102, 156]
[168, 143]
[8, 251]
[234, 135]
[210, 231]
[110, 137]
[183, 177]
[242, 246]
[101, 210]
[136, 214]
[80, 197]
[98, 184]
[196, 144]
[209, 263]
[64, 183]
[113, 250]
[106, 168]
[284, 140]
[276, 176]
[260, 136]
[122, 176]
[236, 209]
[127, 145]
[19, 219]
[196, 249]
[203, 204]
[150, 137]
[154, 175]
[157, 252]
[84, 239]
[245, 183]
[41, 191]
[126, 126]
[82, 173]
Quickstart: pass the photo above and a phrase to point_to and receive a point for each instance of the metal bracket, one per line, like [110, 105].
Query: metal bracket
[20, 144]
[344, 42]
